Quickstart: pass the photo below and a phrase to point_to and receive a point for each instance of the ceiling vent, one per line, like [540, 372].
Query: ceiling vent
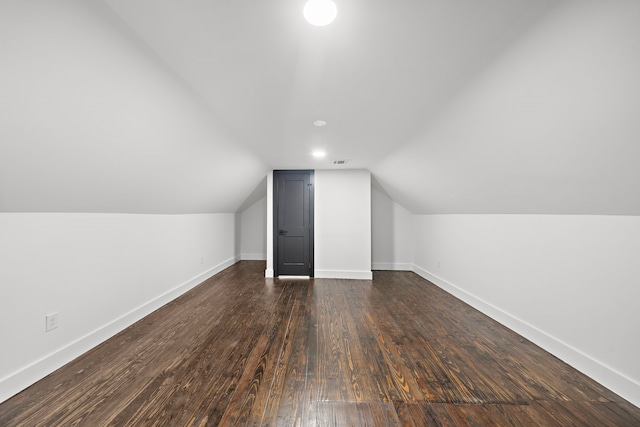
[340, 162]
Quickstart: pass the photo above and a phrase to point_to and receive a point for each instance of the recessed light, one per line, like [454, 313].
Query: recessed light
[320, 12]
[319, 123]
[318, 154]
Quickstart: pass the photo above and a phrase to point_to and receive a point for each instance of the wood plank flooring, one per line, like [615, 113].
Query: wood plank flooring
[244, 350]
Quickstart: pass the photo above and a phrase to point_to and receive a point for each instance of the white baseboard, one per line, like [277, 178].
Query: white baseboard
[253, 257]
[30, 374]
[343, 274]
[605, 375]
[396, 266]
[268, 273]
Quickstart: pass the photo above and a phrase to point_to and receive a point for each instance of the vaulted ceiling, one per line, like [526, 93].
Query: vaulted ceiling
[182, 106]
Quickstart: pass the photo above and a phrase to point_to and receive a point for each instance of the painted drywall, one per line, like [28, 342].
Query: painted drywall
[391, 235]
[551, 126]
[253, 231]
[101, 273]
[91, 120]
[568, 283]
[269, 271]
[342, 218]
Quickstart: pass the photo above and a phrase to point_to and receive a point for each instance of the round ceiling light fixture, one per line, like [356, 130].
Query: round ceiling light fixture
[320, 12]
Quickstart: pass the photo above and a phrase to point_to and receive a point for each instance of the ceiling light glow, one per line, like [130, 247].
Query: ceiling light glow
[320, 12]
[318, 154]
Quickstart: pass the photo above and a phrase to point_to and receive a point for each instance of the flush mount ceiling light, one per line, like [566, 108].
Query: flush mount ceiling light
[320, 12]
[318, 154]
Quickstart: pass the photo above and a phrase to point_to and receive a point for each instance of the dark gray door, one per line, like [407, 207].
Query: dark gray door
[293, 223]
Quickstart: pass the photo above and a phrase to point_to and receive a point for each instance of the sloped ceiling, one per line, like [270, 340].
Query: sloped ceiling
[91, 120]
[182, 106]
[551, 126]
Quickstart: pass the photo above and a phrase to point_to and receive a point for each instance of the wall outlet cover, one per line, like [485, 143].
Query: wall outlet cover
[52, 321]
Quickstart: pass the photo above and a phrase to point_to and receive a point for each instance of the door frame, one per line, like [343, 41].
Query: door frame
[276, 273]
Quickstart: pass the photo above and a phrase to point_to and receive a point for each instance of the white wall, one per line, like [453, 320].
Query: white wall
[253, 231]
[101, 273]
[391, 235]
[342, 218]
[568, 283]
[269, 231]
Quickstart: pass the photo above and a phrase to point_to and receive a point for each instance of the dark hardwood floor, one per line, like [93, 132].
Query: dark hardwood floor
[244, 350]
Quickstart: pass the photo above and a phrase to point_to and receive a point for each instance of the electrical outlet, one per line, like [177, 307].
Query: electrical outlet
[52, 321]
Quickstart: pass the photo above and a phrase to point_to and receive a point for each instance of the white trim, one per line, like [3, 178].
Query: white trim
[605, 375]
[30, 374]
[253, 257]
[268, 273]
[343, 274]
[396, 266]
